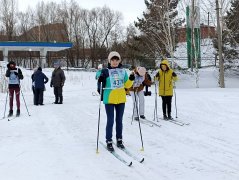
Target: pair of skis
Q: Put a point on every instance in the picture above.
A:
(10, 117)
(155, 123)
(175, 121)
(127, 152)
(149, 123)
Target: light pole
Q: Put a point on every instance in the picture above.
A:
(30, 53)
(219, 37)
(192, 34)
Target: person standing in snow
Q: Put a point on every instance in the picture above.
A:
(166, 78)
(57, 82)
(114, 80)
(15, 75)
(98, 73)
(137, 93)
(39, 79)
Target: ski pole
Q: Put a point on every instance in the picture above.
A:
(98, 131)
(156, 104)
(24, 101)
(141, 137)
(133, 113)
(175, 102)
(5, 106)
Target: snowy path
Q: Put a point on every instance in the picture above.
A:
(58, 142)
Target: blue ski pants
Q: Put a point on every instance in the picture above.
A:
(119, 109)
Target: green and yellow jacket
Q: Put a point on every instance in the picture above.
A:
(114, 81)
(166, 79)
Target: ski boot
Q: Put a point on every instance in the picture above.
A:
(110, 146)
(142, 116)
(170, 117)
(165, 117)
(61, 100)
(10, 113)
(136, 118)
(120, 144)
(18, 113)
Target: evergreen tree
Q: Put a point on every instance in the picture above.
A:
(230, 35)
(159, 24)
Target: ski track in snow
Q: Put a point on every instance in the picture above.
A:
(59, 141)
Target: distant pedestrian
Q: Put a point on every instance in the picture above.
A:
(15, 75)
(39, 79)
(57, 82)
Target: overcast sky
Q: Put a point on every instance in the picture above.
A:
(131, 9)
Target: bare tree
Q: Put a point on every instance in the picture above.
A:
(8, 17)
(25, 23)
(100, 22)
(46, 13)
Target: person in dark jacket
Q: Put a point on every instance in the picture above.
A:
(39, 79)
(57, 81)
(15, 75)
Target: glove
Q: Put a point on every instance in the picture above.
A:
(174, 74)
(131, 77)
(101, 78)
(16, 73)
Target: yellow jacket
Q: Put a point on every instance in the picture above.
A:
(166, 79)
(117, 95)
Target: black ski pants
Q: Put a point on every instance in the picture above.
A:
(166, 104)
(58, 94)
(38, 96)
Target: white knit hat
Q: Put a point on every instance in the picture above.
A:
(112, 54)
(141, 71)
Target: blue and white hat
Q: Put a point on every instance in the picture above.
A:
(56, 63)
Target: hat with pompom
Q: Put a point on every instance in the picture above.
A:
(141, 71)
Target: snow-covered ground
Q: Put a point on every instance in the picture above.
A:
(58, 142)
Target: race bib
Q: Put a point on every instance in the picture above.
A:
(116, 78)
(13, 79)
(138, 80)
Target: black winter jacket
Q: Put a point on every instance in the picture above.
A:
(58, 78)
